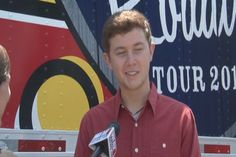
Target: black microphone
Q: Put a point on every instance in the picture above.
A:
(104, 142)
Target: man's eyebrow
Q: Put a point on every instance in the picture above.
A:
(139, 43)
(122, 48)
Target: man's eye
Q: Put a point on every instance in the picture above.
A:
(120, 53)
(138, 50)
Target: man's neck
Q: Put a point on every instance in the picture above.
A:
(134, 100)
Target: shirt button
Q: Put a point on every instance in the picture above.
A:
(136, 150)
(136, 124)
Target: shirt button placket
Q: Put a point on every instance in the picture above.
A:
(136, 150)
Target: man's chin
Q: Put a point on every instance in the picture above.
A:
(133, 86)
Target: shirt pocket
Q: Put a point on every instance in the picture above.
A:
(162, 148)
(158, 149)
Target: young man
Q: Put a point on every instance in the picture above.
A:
(5, 92)
(151, 125)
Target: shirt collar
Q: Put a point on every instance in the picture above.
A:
(152, 100)
(117, 102)
(153, 97)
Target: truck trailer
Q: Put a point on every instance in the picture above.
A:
(58, 72)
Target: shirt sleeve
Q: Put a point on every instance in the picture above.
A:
(190, 143)
(82, 149)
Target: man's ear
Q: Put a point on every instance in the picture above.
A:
(152, 50)
(106, 57)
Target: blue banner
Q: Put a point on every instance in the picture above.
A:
(195, 58)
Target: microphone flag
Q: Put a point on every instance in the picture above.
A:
(106, 140)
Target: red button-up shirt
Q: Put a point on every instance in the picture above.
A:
(165, 128)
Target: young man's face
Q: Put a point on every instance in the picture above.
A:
(5, 93)
(129, 58)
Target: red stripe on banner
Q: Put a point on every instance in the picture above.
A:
(42, 146)
(218, 149)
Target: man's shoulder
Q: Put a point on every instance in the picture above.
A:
(163, 102)
(173, 109)
(107, 104)
(99, 117)
(169, 102)
(102, 109)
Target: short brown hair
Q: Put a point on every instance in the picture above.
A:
(122, 22)
(4, 64)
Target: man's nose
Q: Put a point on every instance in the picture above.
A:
(131, 58)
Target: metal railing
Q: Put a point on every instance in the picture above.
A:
(13, 136)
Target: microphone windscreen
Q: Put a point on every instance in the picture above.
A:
(116, 127)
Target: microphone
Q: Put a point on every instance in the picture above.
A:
(104, 142)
